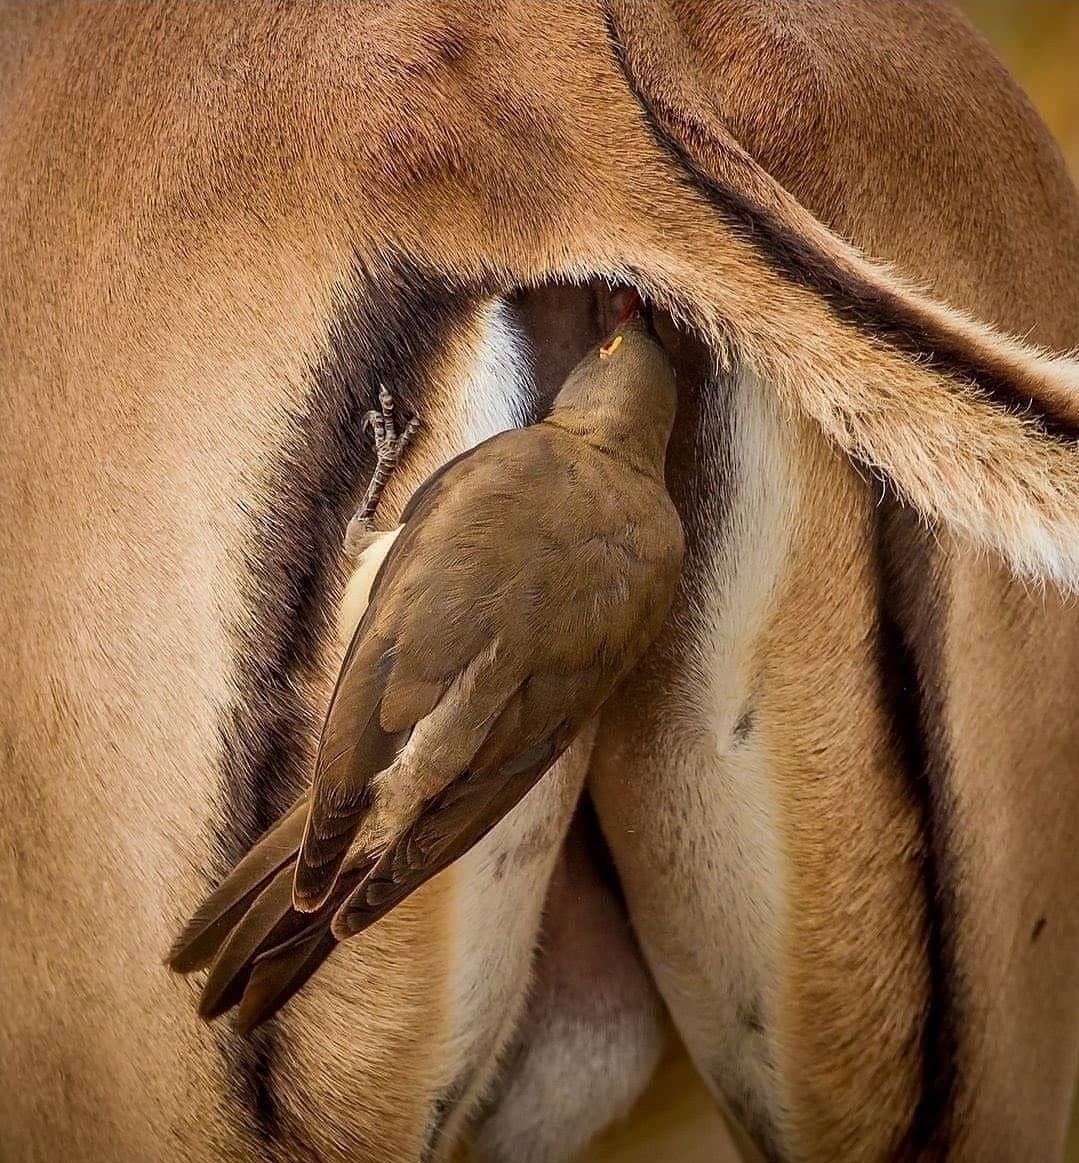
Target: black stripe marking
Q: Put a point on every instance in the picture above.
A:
(912, 671)
(442, 1110)
(388, 331)
(910, 616)
(877, 312)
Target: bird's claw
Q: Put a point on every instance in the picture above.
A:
(389, 447)
(389, 444)
(379, 422)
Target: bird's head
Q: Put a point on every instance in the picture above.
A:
(622, 395)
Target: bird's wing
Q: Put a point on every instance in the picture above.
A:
(424, 634)
(519, 749)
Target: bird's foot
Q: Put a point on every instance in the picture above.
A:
(389, 447)
(389, 444)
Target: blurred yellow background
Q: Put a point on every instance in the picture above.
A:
(1039, 41)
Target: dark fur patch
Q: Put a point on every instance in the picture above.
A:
(875, 311)
(1039, 927)
(751, 1015)
(561, 322)
(744, 727)
(388, 331)
(910, 609)
(254, 1090)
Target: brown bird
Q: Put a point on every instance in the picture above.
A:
(527, 578)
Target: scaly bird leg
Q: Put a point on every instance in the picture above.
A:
(389, 445)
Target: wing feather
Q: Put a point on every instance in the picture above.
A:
(405, 655)
(449, 826)
(354, 749)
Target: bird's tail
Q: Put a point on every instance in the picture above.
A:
(259, 949)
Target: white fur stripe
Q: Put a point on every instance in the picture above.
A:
(493, 392)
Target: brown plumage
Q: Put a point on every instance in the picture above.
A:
(528, 577)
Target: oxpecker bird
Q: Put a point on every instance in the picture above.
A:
(526, 579)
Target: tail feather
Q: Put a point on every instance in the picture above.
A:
(277, 974)
(261, 927)
(216, 917)
(272, 951)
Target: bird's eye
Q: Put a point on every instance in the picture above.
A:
(610, 347)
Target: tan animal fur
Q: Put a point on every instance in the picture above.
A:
(839, 794)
